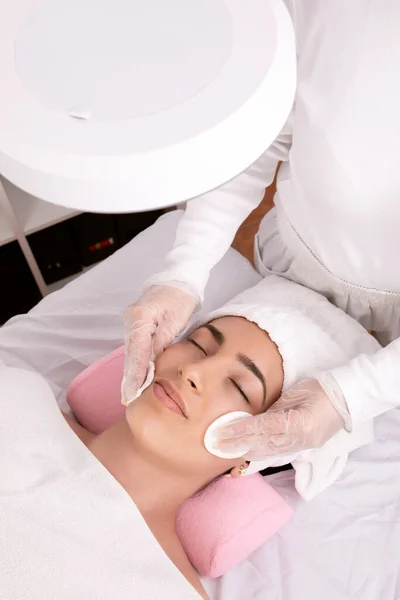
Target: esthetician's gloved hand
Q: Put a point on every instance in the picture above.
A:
(151, 324)
(305, 416)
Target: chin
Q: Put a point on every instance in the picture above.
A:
(149, 427)
(158, 434)
(142, 417)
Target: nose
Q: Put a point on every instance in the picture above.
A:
(191, 376)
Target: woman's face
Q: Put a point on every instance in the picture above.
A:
(228, 365)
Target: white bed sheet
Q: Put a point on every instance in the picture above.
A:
(343, 545)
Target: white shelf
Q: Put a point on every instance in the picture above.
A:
(27, 214)
(6, 233)
(32, 213)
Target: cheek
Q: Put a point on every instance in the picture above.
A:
(178, 444)
(223, 399)
(169, 360)
(167, 436)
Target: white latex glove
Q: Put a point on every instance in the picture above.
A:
(304, 417)
(151, 324)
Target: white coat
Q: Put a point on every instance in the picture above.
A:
(338, 188)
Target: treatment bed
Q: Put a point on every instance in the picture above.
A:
(345, 544)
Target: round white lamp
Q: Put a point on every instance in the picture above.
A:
(131, 105)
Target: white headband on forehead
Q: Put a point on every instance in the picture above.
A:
(312, 336)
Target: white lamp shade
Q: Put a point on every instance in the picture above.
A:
(128, 105)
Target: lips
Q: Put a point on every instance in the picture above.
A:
(170, 397)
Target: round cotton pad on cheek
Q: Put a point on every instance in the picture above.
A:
(148, 381)
(210, 437)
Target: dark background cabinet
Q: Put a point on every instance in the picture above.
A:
(61, 251)
(19, 291)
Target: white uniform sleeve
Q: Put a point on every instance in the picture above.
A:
(211, 221)
(371, 383)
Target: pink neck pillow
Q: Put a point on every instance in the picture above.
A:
(219, 527)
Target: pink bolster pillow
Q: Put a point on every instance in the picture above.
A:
(219, 527)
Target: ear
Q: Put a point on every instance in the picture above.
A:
(239, 470)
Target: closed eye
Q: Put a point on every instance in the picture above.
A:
(191, 341)
(239, 389)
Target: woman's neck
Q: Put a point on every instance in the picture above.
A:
(157, 492)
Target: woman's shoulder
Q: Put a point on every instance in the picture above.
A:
(167, 537)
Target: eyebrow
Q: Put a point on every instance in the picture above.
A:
(243, 359)
(252, 367)
(216, 333)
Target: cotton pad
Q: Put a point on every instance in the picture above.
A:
(148, 380)
(211, 438)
